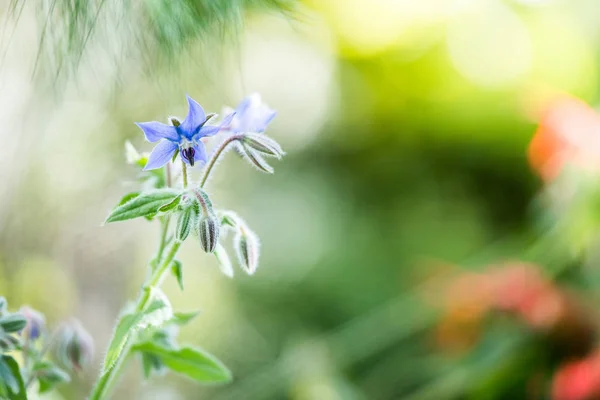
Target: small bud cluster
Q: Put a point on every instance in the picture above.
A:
(75, 347)
(26, 332)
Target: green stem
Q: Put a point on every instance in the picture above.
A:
(163, 238)
(213, 160)
(102, 386)
(184, 172)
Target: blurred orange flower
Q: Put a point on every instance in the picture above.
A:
(520, 290)
(568, 133)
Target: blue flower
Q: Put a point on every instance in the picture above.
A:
(185, 136)
(251, 116)
(35, 323)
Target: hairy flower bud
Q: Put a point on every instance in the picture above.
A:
(185, 221)
(256, 159)
(224, 261)
(36, 323)
(75, 346)
(247, 248)
(208, 232)
(263, 144)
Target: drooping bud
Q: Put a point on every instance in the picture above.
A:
(75, 346)
(208, 232)
(263, 144)
(185, 221)
(208, 226)
(224, 261)
(247, 248)
(256, 159)
(36, 323)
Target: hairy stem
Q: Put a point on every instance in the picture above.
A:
(184, 172)
(102, 387)
(215, 157)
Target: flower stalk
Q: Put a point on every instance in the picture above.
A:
(190, 208)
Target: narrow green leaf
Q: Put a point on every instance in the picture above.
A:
(145, 204)
(191, 362)
(49, 375)
(13, 323)
(183, 318)
(171, 205)
(11, 374)
(128, 197)
(177, 270)
(7, 376)
(150, 363)
(128, 325)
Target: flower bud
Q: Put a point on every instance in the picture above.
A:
(186, 219)
(224, 261)
(208, 232)
(263, 144)
(35, 323)
(247, 248)
(256, 159)
(75, 346)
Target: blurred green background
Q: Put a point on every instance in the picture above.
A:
(406, 125)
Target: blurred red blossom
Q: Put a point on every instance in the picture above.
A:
(517, 289)
(578, 380)
(568, 133)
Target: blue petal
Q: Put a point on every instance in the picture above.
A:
(207, 131)
(195, 118)
(243, 106)
(154, 131)
(268, 118)
(227, 120)
(161, 154)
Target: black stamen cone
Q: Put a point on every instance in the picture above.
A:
(188, 154)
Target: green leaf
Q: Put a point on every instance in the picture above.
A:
(145, 204)
(177, 270)
(191, 362)
(13, 323)
(49, 375)
(170, 206)
(11, 376)
(128, 197)
(150, 363)
(183, 318)
(127, 326)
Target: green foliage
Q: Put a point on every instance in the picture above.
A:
(128, 326)
(191, 362)
(49, 375)
(171, 205)
(182, 318)
(163, 25)
(12, 323)
(144, 205)
(177, 270)
(11, 379)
